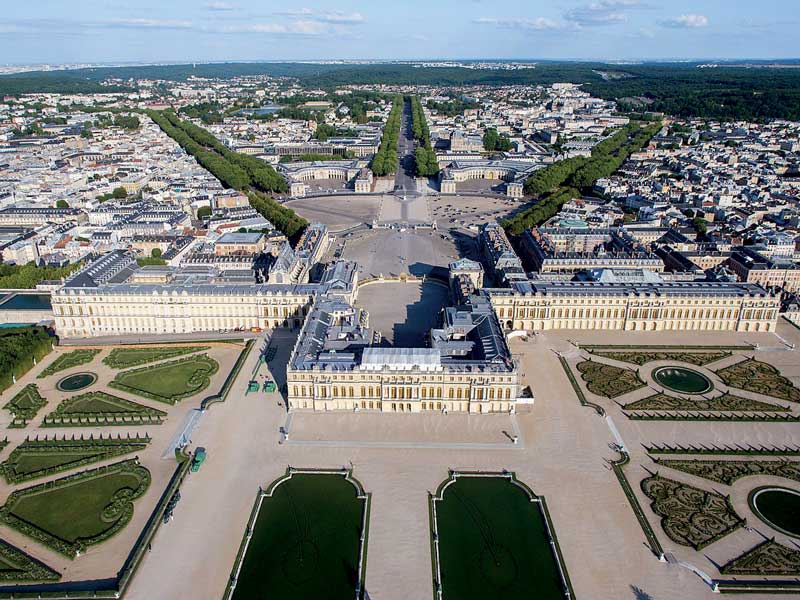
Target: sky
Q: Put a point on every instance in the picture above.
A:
(115, 31)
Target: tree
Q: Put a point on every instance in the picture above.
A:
(62, 204)
(203, 212)
(155, 253)
(119, 193)
(490, 139)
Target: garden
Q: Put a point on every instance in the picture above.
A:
(81, 510)
(690, 516)
(641, 357)
(608, 380)
(101, 408)
(24, 405)
(69, 360)
(305, 540)
(491, 538)
(168, 382)
(125, 358)
(17, 566)
(41, 457)
(725, 402)
(759, 377)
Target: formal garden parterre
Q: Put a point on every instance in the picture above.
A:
(25, 405)
(684, 510)
(70, 514)
(69, 360)
(42, 457)
(125, 358)
(168, 382)
(102, 408)
(79, 505)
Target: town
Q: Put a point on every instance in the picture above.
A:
(476, 334)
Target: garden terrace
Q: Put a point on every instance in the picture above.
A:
(124, 358)
(642, 357)
(68, 361)
(16, 566)
(306, 539)
(491, 537)
(759, 377)
(690, 516)
(608, 380)
(725, 402)
(24, 405)
(169, 382)
(728, 471)
(765, 559)
(81, 510)
(38, 458)
(101, 408)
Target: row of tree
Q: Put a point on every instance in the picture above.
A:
(384, 162)
(566, 179)
(424, 156)
(235, 170)
(284, 219)
(25, 277)
(19, 346)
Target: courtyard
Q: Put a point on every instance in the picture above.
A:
(404, 312)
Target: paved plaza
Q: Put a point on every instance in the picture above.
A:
(392, 251)
(565, 457)
(404, 313)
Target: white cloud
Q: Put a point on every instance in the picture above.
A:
(221, 6)
(148, 24)
(535, 24)
(299, 27)
(686, 22)
(605, 12)
(328, 16)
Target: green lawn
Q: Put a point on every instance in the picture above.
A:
(123, 358)
(80, 510)
(170, 381)
(493, 543)
(305, 541)
(100, 407)
(37, 458)
(69, 360)
(25, 404)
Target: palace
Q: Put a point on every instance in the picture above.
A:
(653, 306)
(468, 367)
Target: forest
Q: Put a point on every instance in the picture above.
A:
(728, 92)
(19, 346)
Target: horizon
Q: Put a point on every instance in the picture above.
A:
(144, 32)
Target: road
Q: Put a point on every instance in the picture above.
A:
(404, 182)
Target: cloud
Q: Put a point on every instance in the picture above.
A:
(221, 6)
(335, 17)
(535, 24)
(145, 24)
(299, 27)
(603, 13)
(686, 22)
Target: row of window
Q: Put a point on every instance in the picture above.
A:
(403, 392)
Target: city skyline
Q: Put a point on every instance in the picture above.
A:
(144, 32)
